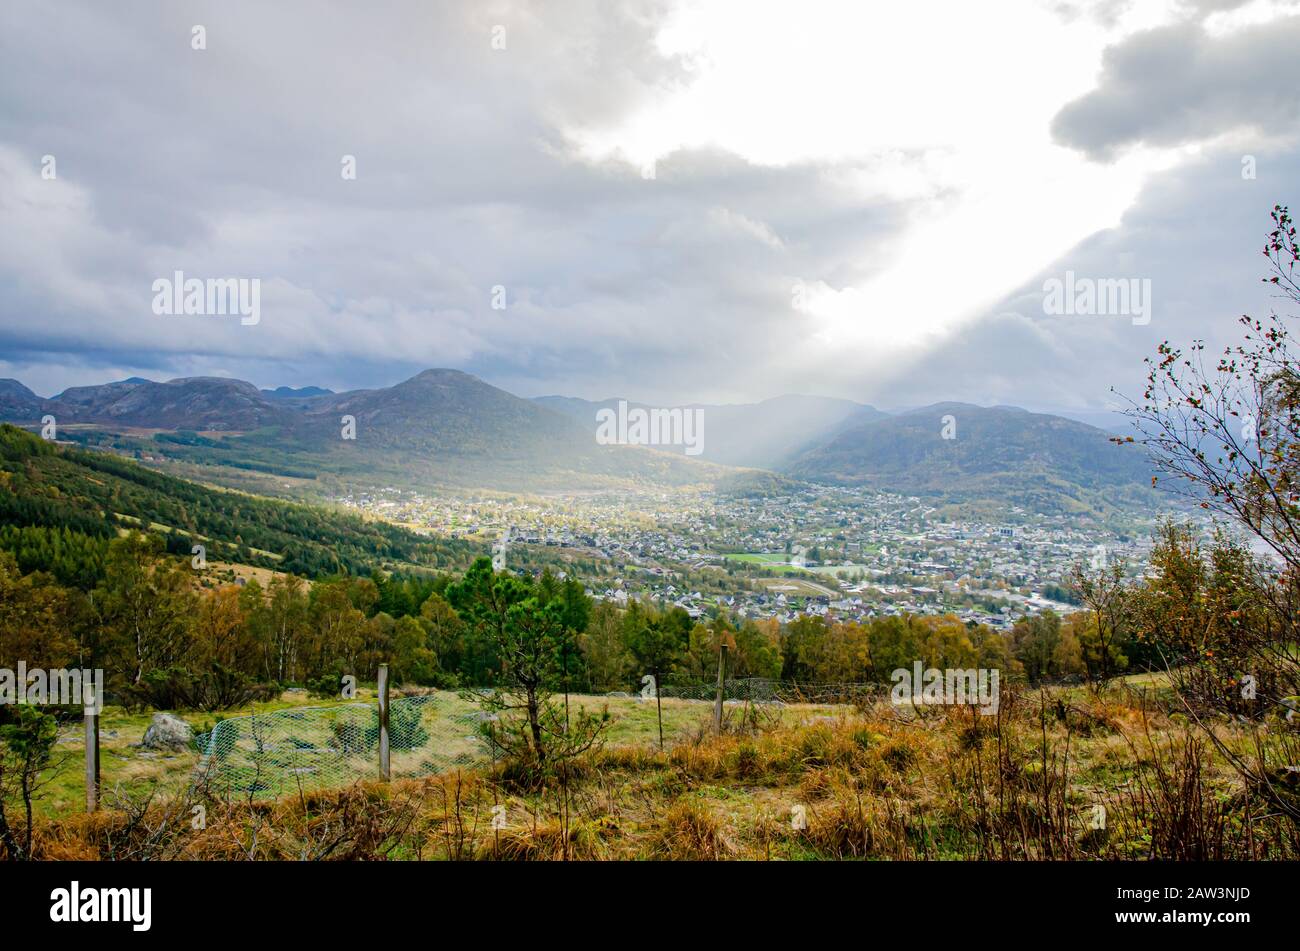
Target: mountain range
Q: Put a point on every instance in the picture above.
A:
(447, 428)
(958, 450)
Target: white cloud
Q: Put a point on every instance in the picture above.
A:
(898, 162)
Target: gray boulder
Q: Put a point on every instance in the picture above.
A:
(168, 732)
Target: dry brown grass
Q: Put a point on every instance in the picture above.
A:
(689, 831)
(873, 783)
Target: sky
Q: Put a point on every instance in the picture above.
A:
(672, 201)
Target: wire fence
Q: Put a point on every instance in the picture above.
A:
(266, 755)
(270, 754)
(747, 690)
(763, 690)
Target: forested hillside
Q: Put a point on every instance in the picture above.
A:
(1002, 454)
(59, 507)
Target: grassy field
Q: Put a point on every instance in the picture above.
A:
(778, 564)
(797, 587)
(759, 558)
(127, 770)
(1057, 774)
(789, 583)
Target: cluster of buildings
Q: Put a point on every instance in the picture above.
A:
(845, 553)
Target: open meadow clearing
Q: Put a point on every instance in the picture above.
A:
(128, 770)
(1061, 773)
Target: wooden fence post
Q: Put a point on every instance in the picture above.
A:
(384, 765)
(90, 712)
(722, 673)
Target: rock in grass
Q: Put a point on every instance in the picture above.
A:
(167, 732)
